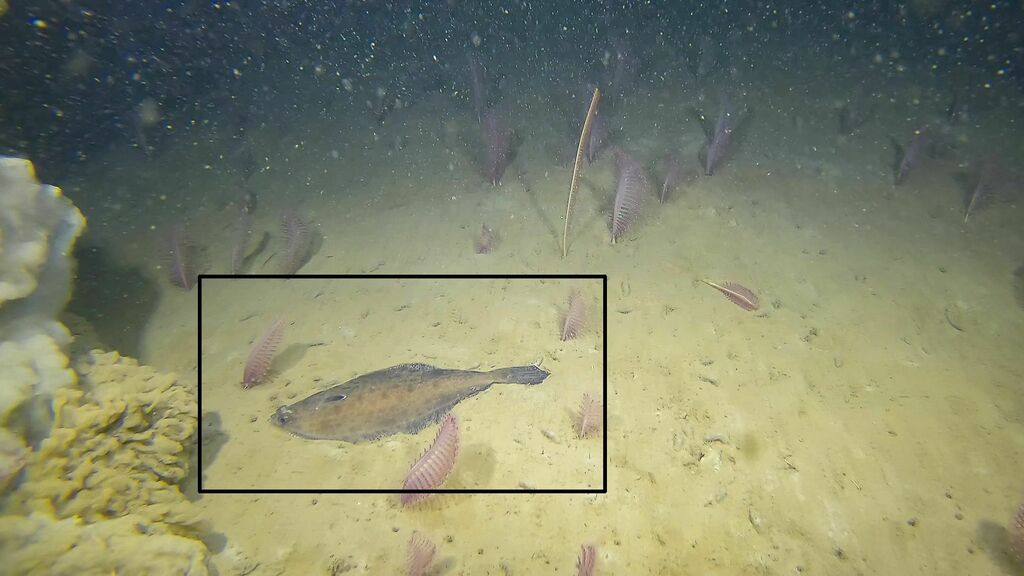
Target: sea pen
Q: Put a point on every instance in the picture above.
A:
(497, 136)
(436, 464)
(575, 316)
(180, 258)
(629, 194)
(262, 354)
(297, 242)
(982, 185)
(738, 294)
(578, 167)
(421, 554)
(589, 420)
(912, 154)
(587, 561)
(484, 243)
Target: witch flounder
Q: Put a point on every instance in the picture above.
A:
(403, 399)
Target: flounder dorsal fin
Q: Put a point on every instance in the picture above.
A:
(409, 368)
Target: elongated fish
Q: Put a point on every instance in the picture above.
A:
(403, 399)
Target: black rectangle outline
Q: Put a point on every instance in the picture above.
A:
(604, 381)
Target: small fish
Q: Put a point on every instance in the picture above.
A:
(403, 399)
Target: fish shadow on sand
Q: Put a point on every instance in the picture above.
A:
(1018, 285)
(251, 256)
(291, 356)
(475, 468)
(995, 541)
(603, 198)
(213, 438)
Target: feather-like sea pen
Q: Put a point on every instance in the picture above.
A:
(298, 242)
(436, 464)
(180, 255)
(983, 185)
(262, 354)
(738, 294)
(629, 194)
(587, 560)
(589, 420)
(421, 553)
(575, 316)
(578, 166)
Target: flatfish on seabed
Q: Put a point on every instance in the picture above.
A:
(403, 399)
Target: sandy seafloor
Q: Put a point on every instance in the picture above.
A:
(844, 428)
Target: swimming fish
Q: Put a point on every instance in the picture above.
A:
(403, 399)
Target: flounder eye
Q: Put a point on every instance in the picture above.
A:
(335, 398)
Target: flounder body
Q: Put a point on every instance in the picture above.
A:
(403, 399)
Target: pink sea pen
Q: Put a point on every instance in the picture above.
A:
(589, 420)
(298, 242)
(262, 354)
(575, 316)
(180, 256)
(629, 195)
(436, 464)
(587, 560)
(738, 294)
(421, 554)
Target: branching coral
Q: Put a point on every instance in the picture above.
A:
(118, 446)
